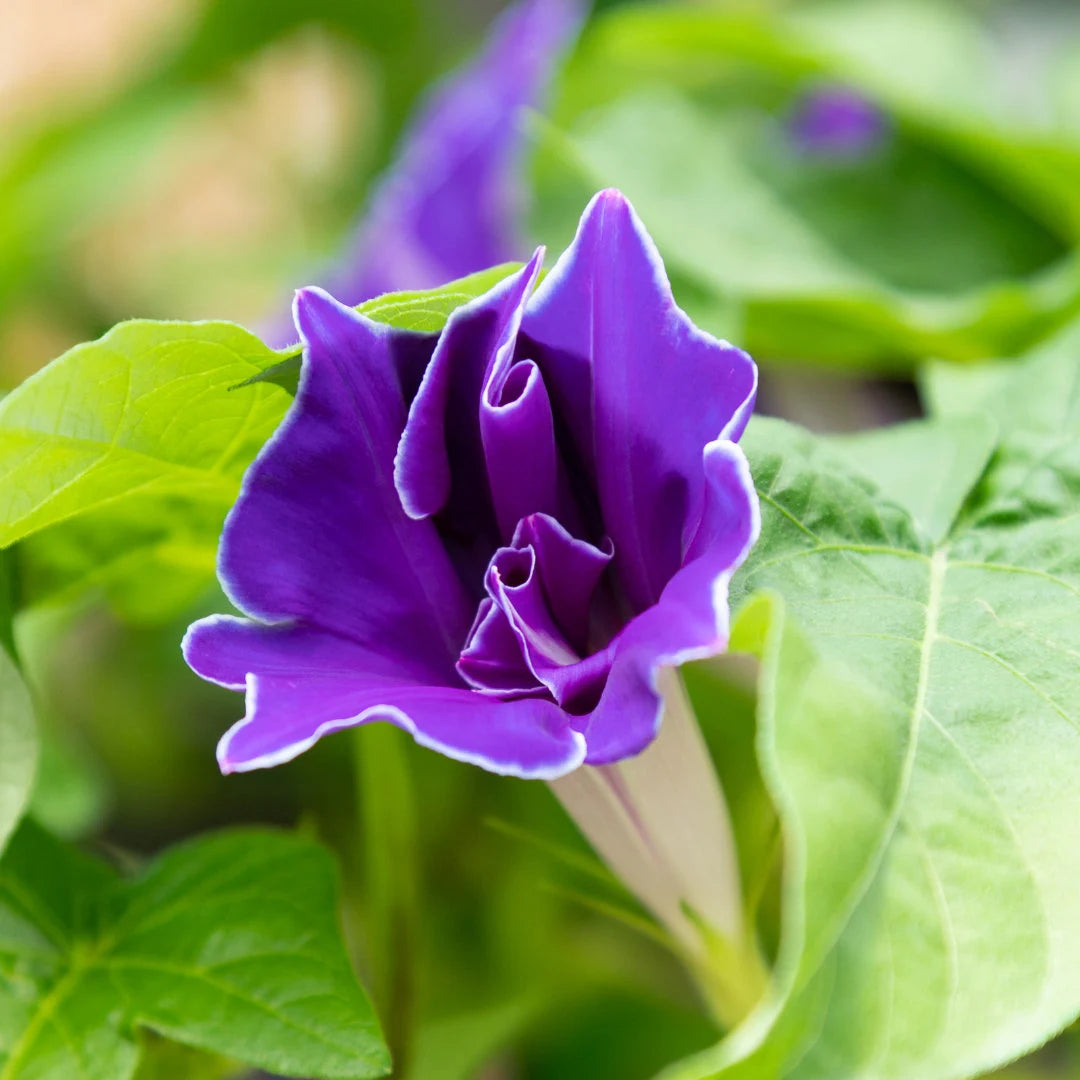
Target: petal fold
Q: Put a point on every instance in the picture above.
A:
(440, 466)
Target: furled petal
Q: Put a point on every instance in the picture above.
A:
(518, 436)
(440, 464)
(604, 328)
(570, 570)
(522, 581)
(318, 535)
(286, 715)
(690, 621)
(491, 662)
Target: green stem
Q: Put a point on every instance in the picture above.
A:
(387, 832)
(733, 976)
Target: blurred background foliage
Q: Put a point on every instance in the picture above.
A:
(200, 158)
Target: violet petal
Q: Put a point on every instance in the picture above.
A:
(518, 436)
(689, 622)
(286, 715)
(570, 570)
(318, 534)
(491, 662)
(440, 465)
(660, 389)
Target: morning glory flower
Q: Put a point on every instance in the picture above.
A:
(496, 538)
(452, 202)
(837, 121)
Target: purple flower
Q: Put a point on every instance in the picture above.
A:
(495, 538)
(451, 203)
(837, 121)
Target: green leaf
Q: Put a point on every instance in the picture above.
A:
(928, 466)
(121, 458)
(228, 944)
(921, 739)
(424, 311)
(792, 231)
(1036, 393)
(113, 553)
(146, 411)
(804, 298)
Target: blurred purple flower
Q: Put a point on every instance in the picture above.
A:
(451, 203)
(497, 537)
(837, 121)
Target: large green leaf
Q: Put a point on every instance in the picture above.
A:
(146, 410)
(228, 943)
(927, 63)
(928, 467)
(129, 450)
(920, 732)
(802, 272)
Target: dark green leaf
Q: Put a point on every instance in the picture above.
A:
(228, 943)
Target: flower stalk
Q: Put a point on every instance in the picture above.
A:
(660, 823)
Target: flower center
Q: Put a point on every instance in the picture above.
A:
(531, 633)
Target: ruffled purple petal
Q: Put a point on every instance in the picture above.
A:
(492, 662)
(690, 620)
(318, 535)
(440, 465)
(606, 330)
(570, 570)
(523, 580)
(286, 715)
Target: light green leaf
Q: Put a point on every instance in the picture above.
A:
(950, 389)
(146, 410)
(920, 734)
(1039, 392)
(424, 311)
(1001, 200)
(113, 553)
(806, 282)
(927, 466)
(128, 451)
(228, 943)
